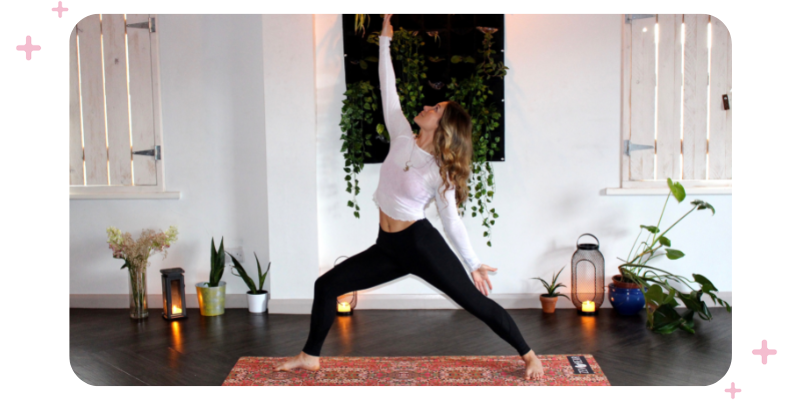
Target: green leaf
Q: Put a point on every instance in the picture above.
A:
(261, 277)
(380, 128)
(650, 228)
(702, 205)
(664, 241)
(706, 284)
(673, 254)
(690, 302)
(666, 319)
(677, 190)
(654, 294)
(243, 274)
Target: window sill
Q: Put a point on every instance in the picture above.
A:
(125, 196)
(726, 190)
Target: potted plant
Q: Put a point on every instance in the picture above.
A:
(211, 294)
(550, 298)
(136, 255)
(256, 297)
(657, 284)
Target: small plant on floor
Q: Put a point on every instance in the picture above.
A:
(552, 286)
(550, 299)
(660, 296)
(237, 267)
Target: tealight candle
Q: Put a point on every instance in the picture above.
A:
(176, 310)
(587, 306)
(344, 307)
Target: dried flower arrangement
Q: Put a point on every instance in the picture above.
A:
(136, 255)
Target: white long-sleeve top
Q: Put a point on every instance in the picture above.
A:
(404, 195)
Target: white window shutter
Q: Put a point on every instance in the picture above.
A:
(674, 123)
(719, 140)
(95, 156)
(113, 105)
(75, 139)
(142, 100)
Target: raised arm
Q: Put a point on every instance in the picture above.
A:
(396, 122)
(454, 227)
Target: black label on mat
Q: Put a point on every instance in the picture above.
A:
(580, 365)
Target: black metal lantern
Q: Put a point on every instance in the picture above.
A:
(172, 290)
(588, 275)
(345, 308)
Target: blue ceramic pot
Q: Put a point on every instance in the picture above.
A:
(626, 301)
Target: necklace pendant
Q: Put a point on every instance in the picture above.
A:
(406, 168)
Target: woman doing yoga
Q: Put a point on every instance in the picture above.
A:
(434, 165)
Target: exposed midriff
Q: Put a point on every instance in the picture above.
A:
(391, 225)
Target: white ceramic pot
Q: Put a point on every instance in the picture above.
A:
(257, 303)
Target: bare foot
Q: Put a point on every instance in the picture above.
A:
(533, 366)
(301, 360)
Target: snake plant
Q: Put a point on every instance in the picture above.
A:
(217, 263)
(246, 278)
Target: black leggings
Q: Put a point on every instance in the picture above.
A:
(419, 250)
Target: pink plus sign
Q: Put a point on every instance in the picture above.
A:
(764, 352)
(733, 390)
(60, 9)
(28, 48)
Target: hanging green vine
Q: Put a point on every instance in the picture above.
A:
(472, 94)
(359, 103)
(405, 46)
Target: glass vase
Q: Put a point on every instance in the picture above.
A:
(138, 292)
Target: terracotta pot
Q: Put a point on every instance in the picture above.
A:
(548, 303)
(623, 285)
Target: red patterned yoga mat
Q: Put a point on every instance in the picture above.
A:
(559, 370)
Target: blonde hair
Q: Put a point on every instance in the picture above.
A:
(453, 149)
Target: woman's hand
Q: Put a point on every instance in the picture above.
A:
(481, 278)
(387, 26)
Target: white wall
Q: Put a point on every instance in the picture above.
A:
(214, 154)
(562, 99)
(291, 154)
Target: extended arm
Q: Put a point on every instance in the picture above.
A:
(396, 121)
(454, 227)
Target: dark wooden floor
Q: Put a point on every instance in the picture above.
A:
(108, 348)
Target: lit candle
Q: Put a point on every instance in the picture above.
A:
(344, 307)
(176, 310)
(587, 306)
